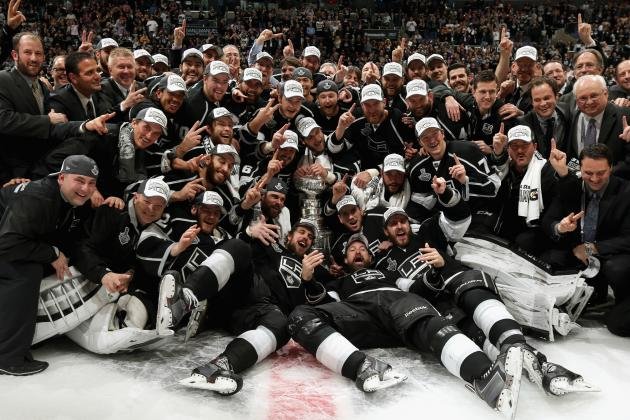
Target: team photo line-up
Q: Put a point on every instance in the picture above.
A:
(257, 188)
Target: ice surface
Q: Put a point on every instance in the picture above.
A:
(292, 385)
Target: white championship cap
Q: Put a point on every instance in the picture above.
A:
(394, 162)
(416, 87)
(520, 132)
(426, 124)
(371, 92)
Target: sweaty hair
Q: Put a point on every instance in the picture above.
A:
(483, 77)
(544, 80)
(73, 60)
(597, 151)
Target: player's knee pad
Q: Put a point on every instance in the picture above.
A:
(439, 330)
(276, 322)
(463, 281)
(307, 327)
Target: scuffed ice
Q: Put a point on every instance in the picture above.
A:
(292, 385)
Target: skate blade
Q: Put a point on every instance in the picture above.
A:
(561, 386)
(195, 320)
(224, 386)
(508, 399)
(390, 379)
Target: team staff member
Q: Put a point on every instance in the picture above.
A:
(36, 218)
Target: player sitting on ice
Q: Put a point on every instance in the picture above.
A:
(445, 283)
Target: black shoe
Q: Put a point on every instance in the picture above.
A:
(217, 376)
(29, 367)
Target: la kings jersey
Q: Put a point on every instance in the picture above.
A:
(281, 271)
(483, 181)
(361, 281)
(372, 229)
(373, 143)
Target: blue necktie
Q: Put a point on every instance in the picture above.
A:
(590, 219)
(591, 133)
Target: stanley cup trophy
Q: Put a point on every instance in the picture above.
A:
(311, 209)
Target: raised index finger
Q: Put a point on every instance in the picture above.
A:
(184, 26)
(502, 128)
(579, 19)
(578, 216)
(553, 144)
(351, 110)
(456, 159)
(502, 32)
(625, 122)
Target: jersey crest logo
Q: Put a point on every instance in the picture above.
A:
(291, 272)
(367, 275)
(487, 128)
(276, 248)
(194, 261)
(412, 267)
(392, 264)
(424, 175)
(123, 237)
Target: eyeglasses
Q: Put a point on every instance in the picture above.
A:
(59, 69)
(593, 97)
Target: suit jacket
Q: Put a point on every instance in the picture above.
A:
(610, 129)
(561, 131)
(613, 222)
(24, 129)
(114, 96)
(66, 101)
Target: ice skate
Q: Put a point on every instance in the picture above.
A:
(196, 318)
(174, 301)
(374, 374)
(500, 385)
(216, 376)
(552, 378)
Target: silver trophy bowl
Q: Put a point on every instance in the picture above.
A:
(311, 209)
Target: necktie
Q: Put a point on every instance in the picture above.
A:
(37, 94)
(89, 110)
(549, 126)
(590, 219)
(591, 133)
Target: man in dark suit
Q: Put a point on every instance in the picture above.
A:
(548, 118)
(81, 99)
(26, 119)
(598, 121)
(121, 89)
(589, 220)
(39, 225)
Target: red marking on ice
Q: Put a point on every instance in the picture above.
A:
(298, 399)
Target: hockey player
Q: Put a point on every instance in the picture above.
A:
(107, 256)
(280, 284)
(374, 311)
(391, 188)
(374, 136)
(423, 259)
(460, 163)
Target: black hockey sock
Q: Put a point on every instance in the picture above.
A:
(352, 364)
(241, 354)
(492, 317)
(203, 282)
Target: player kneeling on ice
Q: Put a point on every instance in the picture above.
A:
(374, 311)
(108, 256)
(220, 275)
(445, 283)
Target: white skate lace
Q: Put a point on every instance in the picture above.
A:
(190, 298)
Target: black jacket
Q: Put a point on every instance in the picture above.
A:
(36, 218)
(613, 225)
(66, 101)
